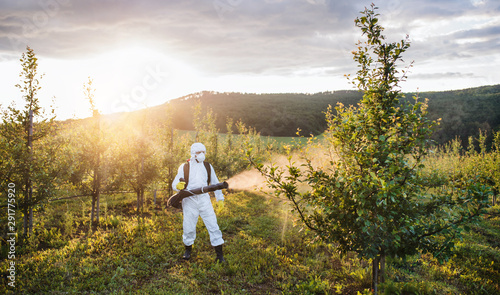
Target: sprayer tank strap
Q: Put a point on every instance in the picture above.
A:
(186, 172)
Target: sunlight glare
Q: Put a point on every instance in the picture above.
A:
(124, 79)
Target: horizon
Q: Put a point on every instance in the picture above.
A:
(145, 54)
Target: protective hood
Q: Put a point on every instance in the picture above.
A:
(195, 148)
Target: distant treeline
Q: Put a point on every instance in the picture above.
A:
(463, 112)
(270, 114)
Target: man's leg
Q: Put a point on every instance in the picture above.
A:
(190, 218)
(208, 215)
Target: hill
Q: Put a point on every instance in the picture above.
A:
(270, 114)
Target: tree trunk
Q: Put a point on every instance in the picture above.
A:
(92, 210)
(140, 196)
(25, 222)
(31, 209)
(375, 274)
(95, 194)
(97, 187)
(140, 201)
(170, 168)
(97, 207)
(26, 209)
(378, 272)
(94, 213)
(381, 274)
(97, 176)
(28, 212)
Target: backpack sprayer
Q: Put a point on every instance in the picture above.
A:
(176, 200)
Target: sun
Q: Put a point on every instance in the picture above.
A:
(133, 77)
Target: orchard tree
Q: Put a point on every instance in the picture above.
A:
(90, 145)
(27, 163)
(97, 148)
(137, 161)
(371, 198)
(173, 150)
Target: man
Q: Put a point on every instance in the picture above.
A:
(199, 205)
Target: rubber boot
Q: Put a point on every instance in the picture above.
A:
(187, 254)
(220, 256)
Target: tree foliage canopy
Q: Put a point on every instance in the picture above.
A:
(371, 197)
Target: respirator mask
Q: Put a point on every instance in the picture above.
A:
(199, 156)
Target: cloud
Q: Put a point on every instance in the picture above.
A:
(202, 31)
(224, 37)
(447, 75)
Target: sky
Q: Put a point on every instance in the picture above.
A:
(143, 53)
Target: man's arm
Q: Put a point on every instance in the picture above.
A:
(180, 174)
(219, 196)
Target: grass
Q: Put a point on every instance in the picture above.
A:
(473, 269)
(266, 254)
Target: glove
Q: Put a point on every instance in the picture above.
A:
(181, 185)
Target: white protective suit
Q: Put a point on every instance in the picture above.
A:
(199, 205)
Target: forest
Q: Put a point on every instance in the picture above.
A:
(463, 112)
(384, 200)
